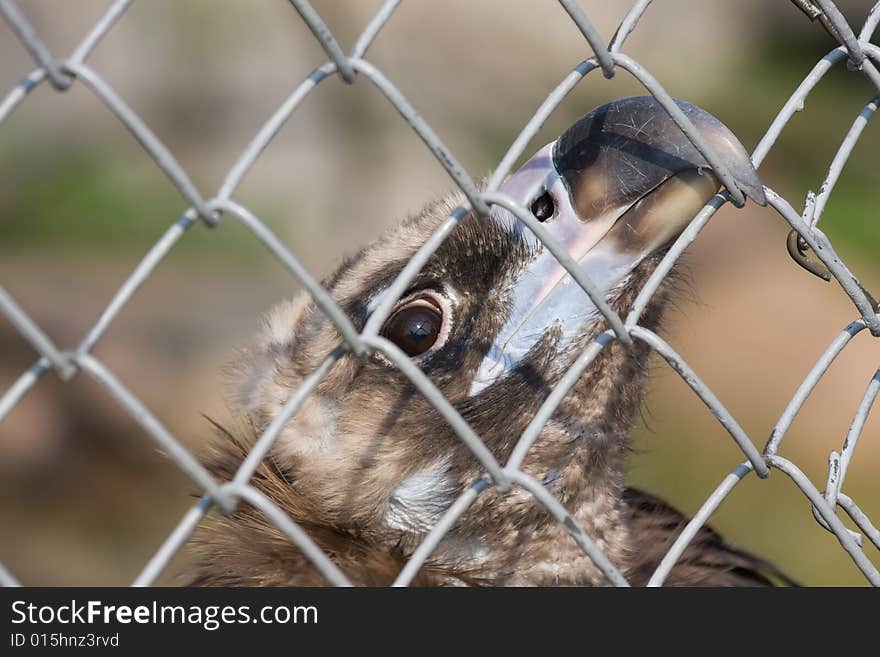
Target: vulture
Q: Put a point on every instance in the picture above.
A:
(367, 466)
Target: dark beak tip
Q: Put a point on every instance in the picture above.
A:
(756, 192)
(757, 195)
(638, 131)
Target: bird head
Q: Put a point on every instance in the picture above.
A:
(493, 320)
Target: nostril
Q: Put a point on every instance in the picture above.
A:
(543, 207)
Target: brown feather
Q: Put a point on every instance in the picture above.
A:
(708, 560)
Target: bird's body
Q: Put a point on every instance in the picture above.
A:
(368, 465)
(246, 549)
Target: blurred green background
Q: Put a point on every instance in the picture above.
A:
(85, 498)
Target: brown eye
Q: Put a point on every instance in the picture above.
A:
(415, 327)
(543, 207)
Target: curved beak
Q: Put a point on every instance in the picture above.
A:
(623, 183)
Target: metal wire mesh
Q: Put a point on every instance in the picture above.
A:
(855, 50)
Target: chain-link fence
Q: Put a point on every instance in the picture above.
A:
(855, 52)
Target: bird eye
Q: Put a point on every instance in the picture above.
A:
(543, 207)
(416, 326)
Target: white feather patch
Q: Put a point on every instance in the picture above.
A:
(418, 502)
